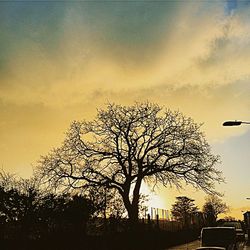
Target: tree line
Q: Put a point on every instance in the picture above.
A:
(184, 210)
(28, 211)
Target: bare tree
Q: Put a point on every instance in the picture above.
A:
(126, 145)
(212, 208)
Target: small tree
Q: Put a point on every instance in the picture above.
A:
(212, 208)
(124, 146)
(183, 209)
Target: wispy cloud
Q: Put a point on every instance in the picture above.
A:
(72, 58)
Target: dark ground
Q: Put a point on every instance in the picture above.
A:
(155, 240)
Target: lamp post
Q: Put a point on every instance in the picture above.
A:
(246, 215)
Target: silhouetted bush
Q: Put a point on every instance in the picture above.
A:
(33, 215)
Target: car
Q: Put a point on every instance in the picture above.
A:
(240, 235)
(224, 237)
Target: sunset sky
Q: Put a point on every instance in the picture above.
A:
(61, 60)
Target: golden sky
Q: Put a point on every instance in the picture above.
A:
(60, 61)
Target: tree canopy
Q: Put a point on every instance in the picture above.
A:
(212, 207)
(183, 209)
(126, 145)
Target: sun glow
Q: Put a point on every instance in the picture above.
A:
(152, 199)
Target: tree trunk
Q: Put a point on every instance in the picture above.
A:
(133, 207)
(132, 216)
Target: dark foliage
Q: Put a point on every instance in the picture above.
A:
(28, 214)
(183, 209)
(212, 208)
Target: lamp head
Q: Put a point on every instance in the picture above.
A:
(232, 123)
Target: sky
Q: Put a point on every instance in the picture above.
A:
(62, 60)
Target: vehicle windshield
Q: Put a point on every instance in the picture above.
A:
(237, 225)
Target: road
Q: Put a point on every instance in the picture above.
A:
(195, 244)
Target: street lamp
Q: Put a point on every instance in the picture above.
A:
(234, 123)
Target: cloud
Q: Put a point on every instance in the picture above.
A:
(62, 65)
(198, 48)
(194, 66)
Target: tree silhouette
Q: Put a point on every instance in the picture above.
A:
(212, 208)
(183, 209)
(126, 145)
